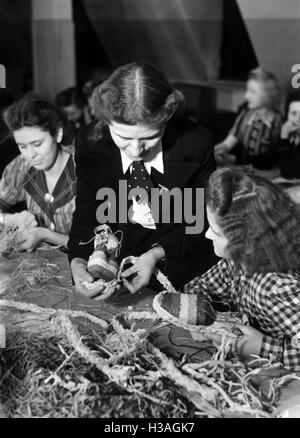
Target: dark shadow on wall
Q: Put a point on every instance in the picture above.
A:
(90, 55)
(16, 44)
(237, 53)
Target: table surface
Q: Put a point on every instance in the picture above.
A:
(65, 297)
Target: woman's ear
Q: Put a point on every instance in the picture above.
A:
(59, 135)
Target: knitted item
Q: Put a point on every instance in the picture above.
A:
(193, 309)
(103, 262)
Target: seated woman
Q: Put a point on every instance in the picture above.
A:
(289, 146)
(43, 175)
(130, 148)
(255, 228)
(255, 133)
(73, 104)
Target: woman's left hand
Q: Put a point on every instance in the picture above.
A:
(29, 239)
(141, 270)
(249, 342)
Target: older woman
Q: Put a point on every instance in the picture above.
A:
(43, 175)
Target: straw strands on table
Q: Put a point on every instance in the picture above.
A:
(33, 274)
(59, 369)
(8, 243)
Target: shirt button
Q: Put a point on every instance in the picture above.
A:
(48, 197)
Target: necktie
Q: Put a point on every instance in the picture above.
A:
(140, 178)
(255, 138)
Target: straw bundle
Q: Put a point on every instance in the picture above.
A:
(54, 367)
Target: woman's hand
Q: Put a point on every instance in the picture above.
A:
(23, 220)
(220, 148)
(222, 155)
(141, 271)
(28, 239)
(288, 128)
(80, 275)
(249, 342)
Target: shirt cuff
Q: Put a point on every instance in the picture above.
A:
(158, 244)
(272, 348)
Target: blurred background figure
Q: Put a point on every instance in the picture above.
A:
(96, 77)
(74, 106)
(289, 147)
(255, 134)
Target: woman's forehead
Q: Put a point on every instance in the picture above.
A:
(29, 134)
(295, 106)
(135, 131)
(254, 84)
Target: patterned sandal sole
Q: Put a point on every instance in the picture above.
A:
(224, 324)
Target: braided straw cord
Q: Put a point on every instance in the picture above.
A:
(164, 281)
(168, 369)
(62, 325)
(46, 311)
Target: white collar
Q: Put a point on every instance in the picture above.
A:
(263, 114)
(156, 162)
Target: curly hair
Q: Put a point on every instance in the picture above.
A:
(135, 94)
(260, 221)
(270, 85)
(34, 111)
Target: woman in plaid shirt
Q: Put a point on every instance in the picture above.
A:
(255, 228)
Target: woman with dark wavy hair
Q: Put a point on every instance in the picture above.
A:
(43, 175)
(131, 143)
(255, 228)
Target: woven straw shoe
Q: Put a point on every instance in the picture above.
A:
(190, 309)
(193, 312)
(101, 266)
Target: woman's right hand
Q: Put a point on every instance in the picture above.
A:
(287, 128)
(23, 220)
(220, 149)
(80, 275)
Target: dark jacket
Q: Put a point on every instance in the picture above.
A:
(188, 162)
(289, 158)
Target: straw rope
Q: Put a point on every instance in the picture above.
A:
(207, 384)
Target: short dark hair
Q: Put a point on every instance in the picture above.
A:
(294, 96)
(260, 221)
(34, 111)
(70, 96)
(136, 93)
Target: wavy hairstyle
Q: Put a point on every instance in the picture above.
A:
(260, 221)
(135, 94)
(34, 111)
(270, 85)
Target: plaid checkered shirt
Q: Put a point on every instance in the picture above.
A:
(271, 302)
